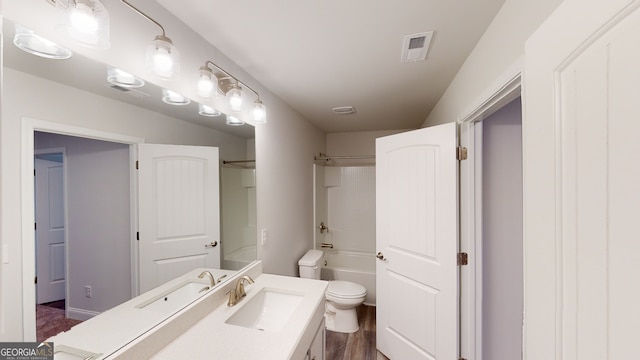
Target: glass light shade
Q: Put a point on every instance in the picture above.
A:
(25, 39)
(206, 110)
(163, 58)
(234, 98)
(206, 83)
(259, 112)
(122, 78)
(234, 121)
(173, 98)
(86, 21)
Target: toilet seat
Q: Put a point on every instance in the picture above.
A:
(345, 290)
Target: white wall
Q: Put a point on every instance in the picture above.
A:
(502, 266)
(499, 50)
(98, 232)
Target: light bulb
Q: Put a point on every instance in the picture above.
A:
(163, 58)
(173, 98)
(122, 78)
(234, 97)
(83, 20)
(206, 110)
(205, 83)
(259, 112)
(234, 121)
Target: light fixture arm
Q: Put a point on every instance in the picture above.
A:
(145, 16)
(209, 62)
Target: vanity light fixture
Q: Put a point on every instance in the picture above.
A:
(122, 78)
(163, 57)
(206, 110)
(173, 98)
(209, 82)
(86, 21)
(25, 39)
(234, 121)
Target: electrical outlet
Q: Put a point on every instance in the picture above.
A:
(88, 292)
(264, 236)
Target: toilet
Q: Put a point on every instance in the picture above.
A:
(342, 296)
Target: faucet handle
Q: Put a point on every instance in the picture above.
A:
(233, 297)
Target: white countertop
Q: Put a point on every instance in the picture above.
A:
(212, 338)
(114, 328)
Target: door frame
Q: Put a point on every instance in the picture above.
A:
(59, 150)
(29, 127)
(504, 90)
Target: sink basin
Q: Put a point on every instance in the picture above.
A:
(269, 310)
(176, 297)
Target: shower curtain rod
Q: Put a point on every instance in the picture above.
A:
(343, 157)
(224, 162)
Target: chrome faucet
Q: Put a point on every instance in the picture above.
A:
(211, 279)
(235, 295)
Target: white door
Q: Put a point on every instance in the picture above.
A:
(581, 183)
(50, 237)
(417, 241)
(179, 217)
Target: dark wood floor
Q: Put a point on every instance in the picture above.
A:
(360, 345)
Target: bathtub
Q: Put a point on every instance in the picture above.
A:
(239, 258)
(358, 267)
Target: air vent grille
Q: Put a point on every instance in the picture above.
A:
(344, 110)
(129, 91)
(416, 46)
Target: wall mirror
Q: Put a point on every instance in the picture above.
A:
(237, 173)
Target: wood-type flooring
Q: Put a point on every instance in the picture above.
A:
(360, 345)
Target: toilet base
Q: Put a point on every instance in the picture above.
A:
(343, 321)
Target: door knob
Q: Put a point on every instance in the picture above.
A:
(381, 256)
(213, 244)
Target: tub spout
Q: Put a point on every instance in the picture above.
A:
(327, 245)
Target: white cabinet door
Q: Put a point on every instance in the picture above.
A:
(417, 241)
(179, 216)
(581, 176)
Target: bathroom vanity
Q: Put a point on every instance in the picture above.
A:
(280, 317)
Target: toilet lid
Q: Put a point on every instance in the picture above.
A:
(346, 289)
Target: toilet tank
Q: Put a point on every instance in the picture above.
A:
(310, 264)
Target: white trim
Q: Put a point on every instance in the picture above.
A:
(80, 314)
(503, 91)
(29, 126)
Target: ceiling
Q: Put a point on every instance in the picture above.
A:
(317, 55)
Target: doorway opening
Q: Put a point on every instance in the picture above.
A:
(84, 247)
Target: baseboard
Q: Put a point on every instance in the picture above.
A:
(80, 314)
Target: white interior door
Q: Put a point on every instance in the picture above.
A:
(581, 175)
(417, 241)
(50, 231)
(179, 217)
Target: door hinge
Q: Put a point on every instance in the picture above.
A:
(137, 164)
(138, 235)
(463, 259)
(461, 153)
(35, 280)
(35, 226)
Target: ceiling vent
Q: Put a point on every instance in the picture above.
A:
(344, 110)
(416, 46)
(129, 91)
